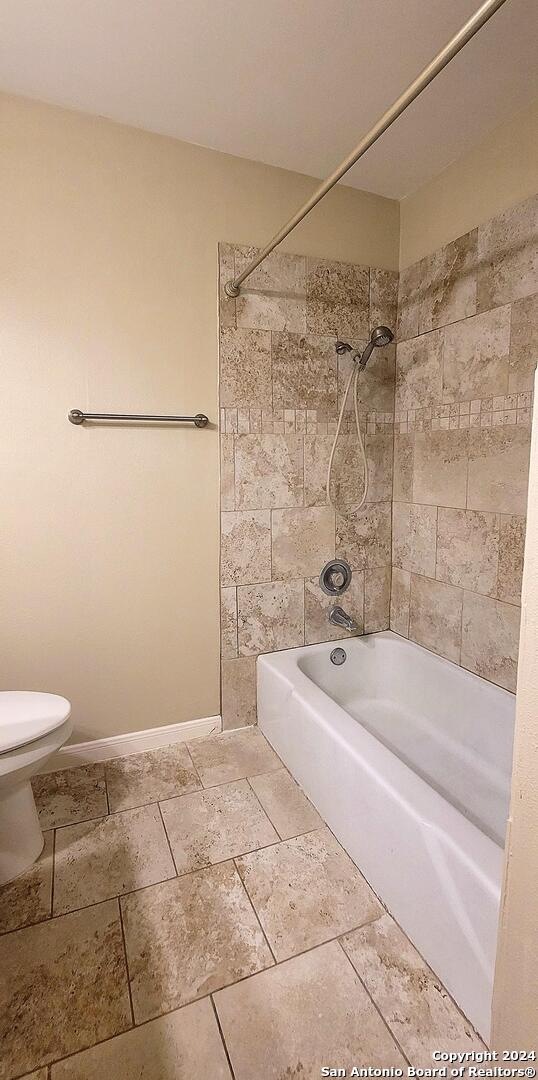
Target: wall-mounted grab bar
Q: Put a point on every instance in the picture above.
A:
(75, 416)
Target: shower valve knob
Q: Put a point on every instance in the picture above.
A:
(335, 577)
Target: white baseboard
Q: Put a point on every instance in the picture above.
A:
(134, 742)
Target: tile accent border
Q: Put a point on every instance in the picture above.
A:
(133, 742)
(501, 411)
(300, 421)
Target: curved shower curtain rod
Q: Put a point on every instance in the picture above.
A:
(451, 49)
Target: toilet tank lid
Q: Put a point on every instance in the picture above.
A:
(26, 716)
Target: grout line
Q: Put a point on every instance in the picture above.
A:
(106, 788)
(137, 806)
(303, 446)
(424, 961)
(234, 472)
(281, 838)
(326, 941)
(441, 354)
(271, 370)
(270, 551)
(168, 842)
(79, 821)
(461, 628)
(53, 874)
(312, 506)
(467, 472)
(262, 772)
(258, 920)
(461, 588)
(498, 571)
(436, 540)
(236, 633)
(374, 1003)
(462, 509)
(75, 1053)
(452, 322)
(191, 759)
(221, 1033)
(120, 915)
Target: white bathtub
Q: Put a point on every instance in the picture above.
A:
(407, 757)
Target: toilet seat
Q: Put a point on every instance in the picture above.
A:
(26, 716)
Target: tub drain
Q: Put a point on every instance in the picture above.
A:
(338, 656)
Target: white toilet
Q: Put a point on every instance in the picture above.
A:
(32, 727)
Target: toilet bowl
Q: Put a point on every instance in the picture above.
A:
(32, 727)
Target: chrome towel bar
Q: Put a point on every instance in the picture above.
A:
(75, 416)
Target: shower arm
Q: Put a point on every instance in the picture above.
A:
(452, 48)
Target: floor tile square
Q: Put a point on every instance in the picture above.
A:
(27, 900)
(188, 937)
(148, 777)
(70, 795)
(414, 1003)
(232, 756)
(180, 1046)
(284, 803)
(63, 987)
(306, 891)
(309, 1012)
(211, 826)
(96, 860)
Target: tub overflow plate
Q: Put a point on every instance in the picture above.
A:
(338, 656)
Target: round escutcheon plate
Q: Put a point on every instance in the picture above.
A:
(335, 577)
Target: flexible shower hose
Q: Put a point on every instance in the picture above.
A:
(352, 381)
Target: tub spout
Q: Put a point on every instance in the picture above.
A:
(339, 617)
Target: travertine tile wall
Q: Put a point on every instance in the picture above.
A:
(466, 355)
(455, 494)
(280, 386)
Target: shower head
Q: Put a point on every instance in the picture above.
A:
(379, 337)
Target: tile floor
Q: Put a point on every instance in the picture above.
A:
(190, 916)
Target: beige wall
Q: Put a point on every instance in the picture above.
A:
(108, 265)
(516, 976)
(502, 170)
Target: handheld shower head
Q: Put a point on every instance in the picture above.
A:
(379, 337)
(382, 335)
